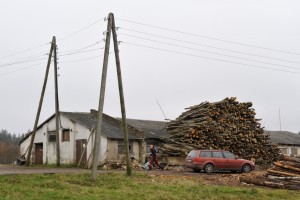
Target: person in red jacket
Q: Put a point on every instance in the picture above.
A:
(154, 158)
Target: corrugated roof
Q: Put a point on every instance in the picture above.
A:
(284, 137)
(111, 127)
(151, 129)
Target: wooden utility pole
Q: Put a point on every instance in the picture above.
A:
(40, 104)
(101, 100)
(56, 104)
(121, 93)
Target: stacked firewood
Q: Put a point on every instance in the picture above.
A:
(285, 174)
(288, 167)
(227, 124)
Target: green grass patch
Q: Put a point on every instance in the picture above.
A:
(119, 186)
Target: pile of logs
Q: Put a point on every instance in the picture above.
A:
(285, 174)
(288, 167)
(227, 124)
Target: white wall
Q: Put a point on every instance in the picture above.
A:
(289, 149)
(67, 148)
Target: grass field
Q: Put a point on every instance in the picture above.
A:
(118, 186)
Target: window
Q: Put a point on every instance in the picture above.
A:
(283, 151)
(229, 155)
(51, 136)
(205, 154)
(121, 147)
(193, 154)
(66, 135)
(217, 154)
(294, 151)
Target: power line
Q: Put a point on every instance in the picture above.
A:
(227, 61)
(210, 52)
(75, 32)
(204, 45)
(81, 51)
(23, 51)
(207, 37)
(83, 48)
(21, 69)
(20, 62)
(84, 59)
(79, 60)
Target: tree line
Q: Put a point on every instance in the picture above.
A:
(9, 146)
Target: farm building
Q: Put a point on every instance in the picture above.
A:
(75, 130)
(289, 143)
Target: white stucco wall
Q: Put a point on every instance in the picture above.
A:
(67, 148)
(289, 149)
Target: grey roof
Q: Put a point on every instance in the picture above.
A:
(284, 137)
(151, 129)
(111, 127)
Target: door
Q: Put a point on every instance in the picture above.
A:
(81, 149)
(39, 153)
(232, 162)
(219, 160)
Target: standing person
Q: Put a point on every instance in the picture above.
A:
(154, 158)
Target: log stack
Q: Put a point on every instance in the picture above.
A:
(227, 124)
(285, 174)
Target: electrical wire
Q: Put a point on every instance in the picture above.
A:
(78, 31)
(20, 62)
(80, 60)
(83, 48)
(193, 55)
(204, 45)
(207, 37)
(26, 50)
(67, 54)
(21, 69)
(220, 54)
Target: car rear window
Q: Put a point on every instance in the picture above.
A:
(193, 153)
(205, 154)
(217, 154)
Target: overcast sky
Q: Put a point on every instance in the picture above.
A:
(178, 80)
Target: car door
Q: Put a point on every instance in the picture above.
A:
(232, 163)
(219, 160)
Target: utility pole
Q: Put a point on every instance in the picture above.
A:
(40, 104)
(101, 99)
(56, 104)
(121, 93)
(279, 121)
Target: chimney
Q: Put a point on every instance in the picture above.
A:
(94, 112)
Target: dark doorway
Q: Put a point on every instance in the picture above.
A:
(80, 147)
(39, 153)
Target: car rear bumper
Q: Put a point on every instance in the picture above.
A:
(194, 166)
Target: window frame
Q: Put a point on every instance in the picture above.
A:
(219, 152)
(202, 152)
(122, 144)
(224, 154)
(51, 136)
(65, 136)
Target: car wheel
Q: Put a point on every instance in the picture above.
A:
(246, 168)
(209, 168)
(196, 170)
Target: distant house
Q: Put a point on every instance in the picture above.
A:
(288, 142)
(75, 130)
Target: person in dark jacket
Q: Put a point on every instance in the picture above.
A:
(154, 158)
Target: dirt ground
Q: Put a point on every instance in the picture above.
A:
(217, 178)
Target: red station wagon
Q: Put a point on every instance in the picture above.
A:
(217, 160)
